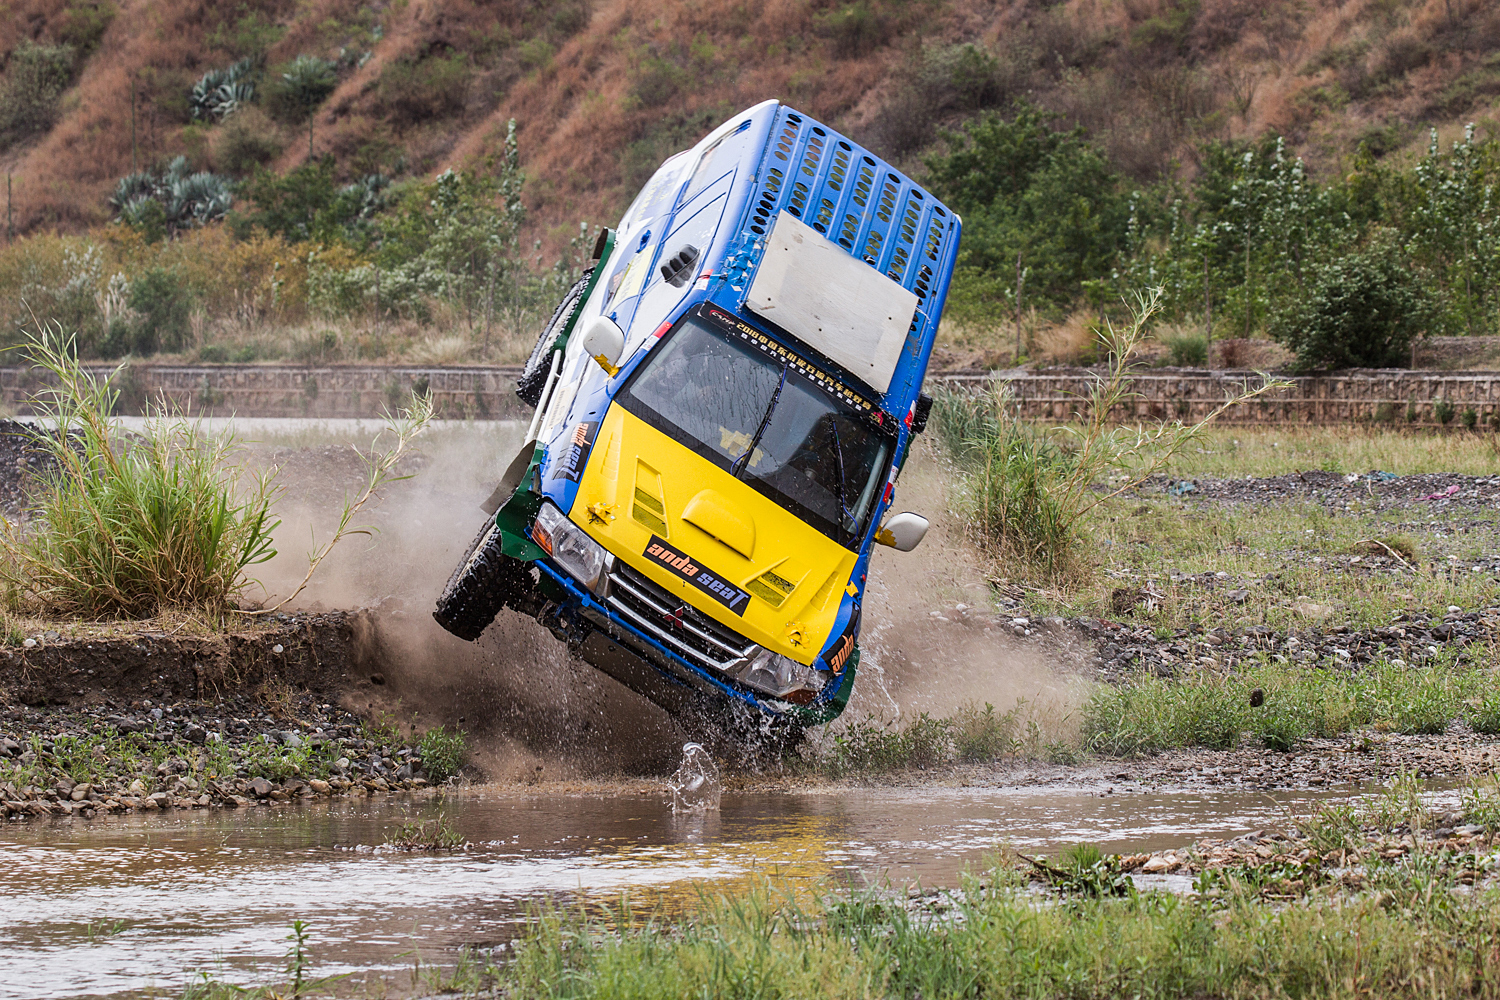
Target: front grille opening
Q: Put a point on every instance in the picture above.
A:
(695, 637)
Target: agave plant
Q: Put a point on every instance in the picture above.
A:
(222, 92)
(186, 198)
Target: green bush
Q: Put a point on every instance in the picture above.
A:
(1186, 350)
(853, 29)
(247, 140)
(1470, 418)
(413, 91)
(442, 753)
(162, 302)
(84, 24)
(35, 78)
(1363, 310)
(1444, 411)
(296, 88)
(131, 528)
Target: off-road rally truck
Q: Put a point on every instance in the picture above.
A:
(723, 404)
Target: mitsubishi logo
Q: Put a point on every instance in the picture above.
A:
(674, 618)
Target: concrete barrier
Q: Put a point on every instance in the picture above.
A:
(480, 392)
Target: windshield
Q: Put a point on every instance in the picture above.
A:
(754, 416)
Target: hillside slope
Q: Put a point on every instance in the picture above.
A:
(602, 91)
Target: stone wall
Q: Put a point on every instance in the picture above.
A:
(488, 393)
(1358, 396)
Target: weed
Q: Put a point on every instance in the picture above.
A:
(132, 528)
(426, 835)
(1444, 411)
(1186, 350)
(443, 753)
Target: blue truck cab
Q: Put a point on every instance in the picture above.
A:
(724, 402)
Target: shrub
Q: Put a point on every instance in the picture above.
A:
(1444, 411)
(246, 141)
(413, 91)
(1186, 350)
(443, 753)
(131, 529)
(35, 78)
(162, 303)
(854, 29)
(84, 24)
(657, 81)
(1363, 310)
(1470, 418)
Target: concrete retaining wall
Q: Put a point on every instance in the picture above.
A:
(1357, 396)
(485, 392)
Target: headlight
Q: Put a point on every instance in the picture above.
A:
(780, 677)
(584, 559)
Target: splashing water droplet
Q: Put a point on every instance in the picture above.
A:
(696, 786)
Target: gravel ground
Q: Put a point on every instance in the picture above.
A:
(1374, 490)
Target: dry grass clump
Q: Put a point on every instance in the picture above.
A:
(1074, 341)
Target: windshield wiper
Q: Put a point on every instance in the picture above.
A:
(838, 453)
(736, 467)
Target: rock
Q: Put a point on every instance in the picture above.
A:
(1469, 830)
(1257, 698)
(137, 787)
(9, 748)
(290, 739)
(1310, 609)
(319, 786)
(1238, 596)
(280, 795)
(341, 765)
(195, 734)
(259, 787)
(162, 799)
(1158, 864)
(80, 792)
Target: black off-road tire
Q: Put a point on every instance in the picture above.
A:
(534, 376)
(484, 582)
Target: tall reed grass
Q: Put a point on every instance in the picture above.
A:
(130, 525)
(1030, 489)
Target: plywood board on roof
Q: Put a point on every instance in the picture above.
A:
(834, 302)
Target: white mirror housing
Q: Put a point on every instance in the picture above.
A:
(604, 341)
(903, 532)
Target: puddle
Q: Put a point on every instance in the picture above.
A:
(135, 906)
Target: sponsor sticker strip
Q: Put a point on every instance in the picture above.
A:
(680, 563)
(800, 364)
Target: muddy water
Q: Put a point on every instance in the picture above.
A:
(138, 905)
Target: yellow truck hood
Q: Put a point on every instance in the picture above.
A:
(705, 536)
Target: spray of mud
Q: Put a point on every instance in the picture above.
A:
(929, 643)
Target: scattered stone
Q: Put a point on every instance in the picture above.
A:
(259, 787)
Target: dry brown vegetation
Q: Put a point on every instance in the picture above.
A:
(602, 90)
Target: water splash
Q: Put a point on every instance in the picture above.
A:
(696, 787)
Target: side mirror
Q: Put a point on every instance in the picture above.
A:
(604, 341)
(903, 532)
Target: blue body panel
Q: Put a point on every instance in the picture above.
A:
(726, 193)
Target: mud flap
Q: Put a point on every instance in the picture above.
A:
(514, 473)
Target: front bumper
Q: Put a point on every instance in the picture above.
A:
(674, 667)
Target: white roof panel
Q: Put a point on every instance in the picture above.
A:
(834, 302)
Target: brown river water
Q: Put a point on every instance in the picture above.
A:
(137, 906)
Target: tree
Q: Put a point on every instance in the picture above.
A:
(305, 84)
(1362, 310)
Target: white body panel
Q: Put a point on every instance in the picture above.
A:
(837, 304)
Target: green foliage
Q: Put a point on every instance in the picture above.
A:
(298, 87)
(222, 92)
(35, 77)
(250, 34)
(161, 303)
(1186, 350)
(413, 91)
(1444, 410)
(426, 835)
(117, 529)
(246, 141)
(854, 29)
(171, 201)
(442, 753)
(1028, 191)
(84, 24)
(1361, 310)
(1150, 714)
(656, 81)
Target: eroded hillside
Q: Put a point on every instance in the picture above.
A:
(602, 91)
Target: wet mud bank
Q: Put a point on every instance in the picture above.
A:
(114, 720)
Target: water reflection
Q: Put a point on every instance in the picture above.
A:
(130, 905)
